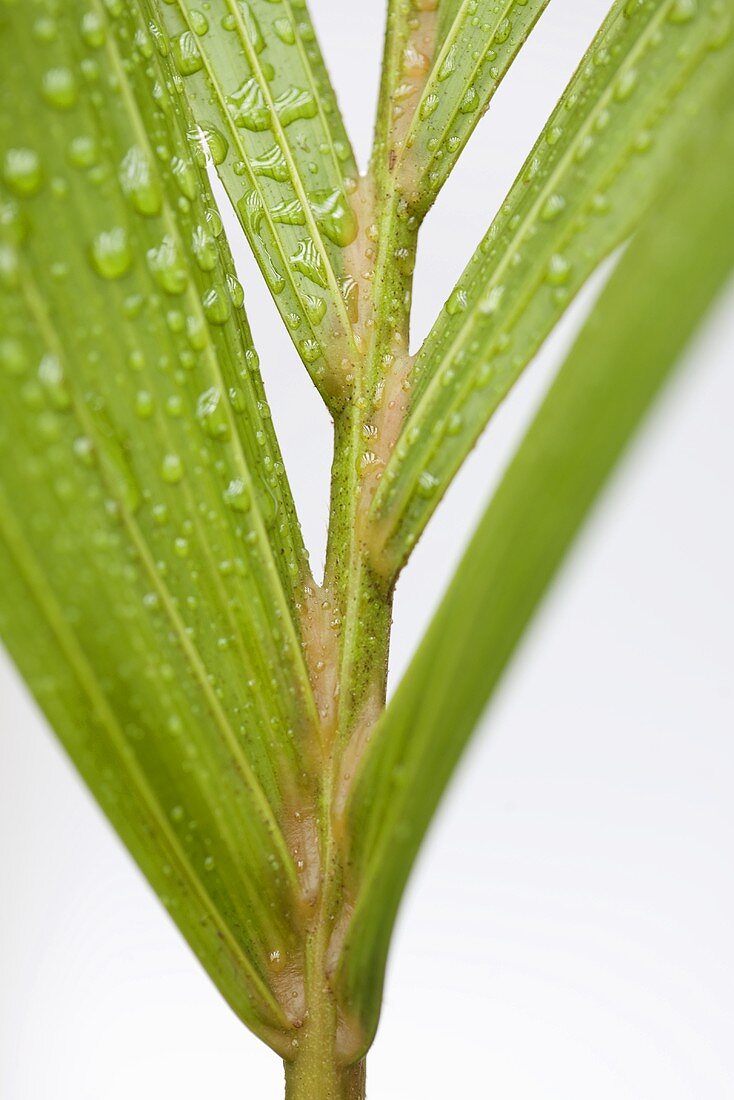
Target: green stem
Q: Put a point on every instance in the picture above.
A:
(318, 1069)
(324, 1064)
(316, 1078)
(364, 602)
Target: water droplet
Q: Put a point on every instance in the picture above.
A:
(51, 376)
(288, 212)
(59, 89)
(335, 216)
(235, 291)
(558, 271)
(167, 267)
(139, 183)
(212, 415)
(552, 207)
(208, 143)
(492, 301)
(448, 65)
(92, 30)
(45, 29)
(160, 514)
(683, 11)
(310, 350)
(271, 163)
(429, 105)
(295, 103)
(83, 151)
(455, 423)
(427, 484)
(110, 253)
(315, 308)
(308, 261)
(457, 302)
(503, 31)
(625, 86)
(252, 27)
(204, 248)
(172, 469)
(273, 276)
(185, 177)
(251, 211)
(84, 450)
(22, 171)
(470, 101)
(248, 108)
(284, 30)
(199, 22)
(237, 495)
(217, 306)
(12, 356)
(186, 55)
(144, 404)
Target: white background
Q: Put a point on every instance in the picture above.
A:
(568, 933)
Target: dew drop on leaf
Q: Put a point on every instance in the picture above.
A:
(335, 216)
(60, 89)
(111, 254)
(211, 414)
(172, 469)
(167, 267)
(22, 171)
(139, 183)
(186, 55)
(237, 495)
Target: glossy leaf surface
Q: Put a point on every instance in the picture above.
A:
(265, 109)
(151, 561)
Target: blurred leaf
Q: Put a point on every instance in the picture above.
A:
(657, 296)
(150, 558)
(263, 103)
(613, 136)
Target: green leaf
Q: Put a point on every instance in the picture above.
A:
(150, 560)
(614, 134)
(264, 105)
(655, 299)
(435, 86)
(478, 43)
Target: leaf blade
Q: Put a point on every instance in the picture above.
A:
(257, 68)
(478, 44)
(646, 315)
(141, 515)
(583, 189)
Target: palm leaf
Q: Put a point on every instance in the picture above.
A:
(478, 41)
(150, 558)
(265, 108)
(655, 299)
(614, 134)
